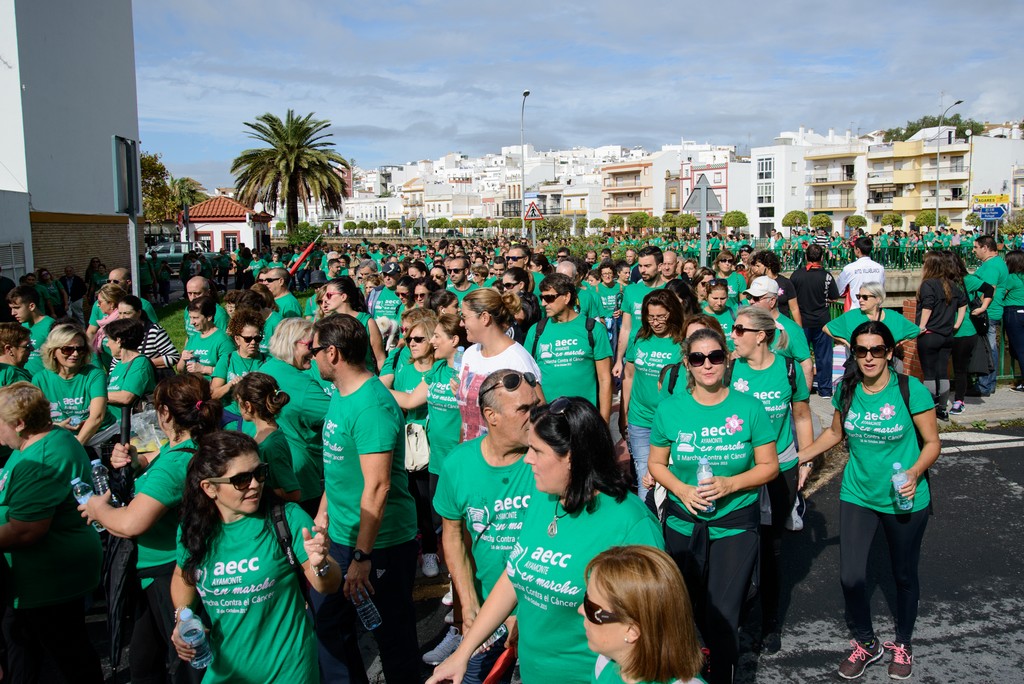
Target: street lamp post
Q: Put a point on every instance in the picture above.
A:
(938, 147)
(522, 166)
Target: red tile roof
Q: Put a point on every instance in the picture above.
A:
(219, 209)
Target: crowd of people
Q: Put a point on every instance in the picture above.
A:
(603, 454)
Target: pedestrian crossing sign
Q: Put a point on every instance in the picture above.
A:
(533, 213)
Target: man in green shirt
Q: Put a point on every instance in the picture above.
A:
(458, 274)
(994, 272)
(198, 287)
(25, 307)
(567, 346)
(276, 280)
(388, 304)
(648, 265)
(370, 509)
(484, 490)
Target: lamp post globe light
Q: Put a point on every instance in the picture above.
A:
(522, 166)
(938, 147)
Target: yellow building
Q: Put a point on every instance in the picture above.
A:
(901, 178)
(835, 181)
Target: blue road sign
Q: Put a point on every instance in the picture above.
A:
(993, 212)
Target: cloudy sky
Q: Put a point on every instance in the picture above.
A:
(412, 80)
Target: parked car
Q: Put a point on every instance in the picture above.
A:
(173, 252)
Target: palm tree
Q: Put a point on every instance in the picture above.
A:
(185, 192)
(298, 164)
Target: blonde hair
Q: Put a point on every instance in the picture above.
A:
(419, 316)
(23, 401)
(645, 589)
(286, 334)
(61, 335)
(112, 294)
(763, 320)
(502, 307)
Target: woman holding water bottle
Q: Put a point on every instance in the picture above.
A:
(713, 518)
(229, 538)
(878, 410)
(53, 559)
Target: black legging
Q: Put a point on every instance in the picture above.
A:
(419, 487)
(55, 634)
(963, 347)
(781, 494)
(933, 350)
(903, 534)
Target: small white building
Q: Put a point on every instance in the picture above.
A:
(224, 223)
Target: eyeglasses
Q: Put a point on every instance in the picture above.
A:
(657, 318)
(113, 281)
(27, 346)
(756, 298)
(328, 294)
(513, 258)
(864, 298)
(71, 349)
(242, 481)
(422, 295)
(415, 339)
(596, 613)
(740, 329)
(726, 261)
(502, 285)
(401, 293)
(696, 359)
(512, 381)
(452, 271)
(550, 298)
(249, 339)
(267, 280)
(877, 352)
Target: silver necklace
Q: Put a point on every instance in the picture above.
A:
(553, 525)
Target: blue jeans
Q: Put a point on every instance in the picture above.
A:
(393, 570)
(640, 445)
(987, 383)
(822, 345)
(481, 665)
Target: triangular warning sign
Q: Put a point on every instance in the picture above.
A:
(533, 213)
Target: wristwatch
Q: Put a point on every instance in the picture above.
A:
(359, 556)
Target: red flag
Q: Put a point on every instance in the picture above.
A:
(302, 257)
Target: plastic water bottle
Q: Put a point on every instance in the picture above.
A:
(75, 421)
(83, 492)
(459, 352)
(704, 473)
(498, 635)
(899, 478)
(101, 480)
(368, 613)
(194, 634)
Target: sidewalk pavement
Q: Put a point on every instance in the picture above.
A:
(1004, 405)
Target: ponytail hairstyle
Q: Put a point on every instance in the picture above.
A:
(852, 376)
(200, 518)
(188, 400)
(763, 320)
(502, 307)
(262, 393)
(346, 286)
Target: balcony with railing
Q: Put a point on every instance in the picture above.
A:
(880, 203)
(831, 176)
(623, 203)
(880, 177)
(833, 203)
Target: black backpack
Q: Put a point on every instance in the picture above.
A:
(542, 323)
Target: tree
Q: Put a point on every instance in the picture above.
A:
(394, 225)
(637, 220)
(653, 222)
(892, 220)
(687, 222)
(363, 227)
(973, 220)
(185, 191)
(598, 224)
(616, 221)
(735, 219)
(926, 217)
(349, 225)
(303, 234)
(156, 195)
(794, 218)
(822, 221)
(930, 121)
(297, 164)
(1014, 225)
(856, 221)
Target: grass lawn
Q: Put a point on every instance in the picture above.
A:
(173, 321)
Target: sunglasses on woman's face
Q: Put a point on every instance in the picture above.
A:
(864, 297)
(597, 614)
(739, 329)
(72, 349)
(242, 481)
(249, 339)
(878, 351)
(697, 359)
(415, 339)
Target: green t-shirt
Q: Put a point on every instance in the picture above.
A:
(648, 357)
(726, 434)
(881, 432)
(269, 326)
(775, 390)
(566, 358)
(548, 575)
(164, 481)
(209, 350)
(37, 335)
(588, 305)
(368, 421)
(71, 397)
(796, 344)
(610, 298)
(233, 366)
(302, 421)
(491, 501)
(388, 304)
(608, 672)
(461, 294)
(406, 380)
(309, 309)
(220, 320)
(137, 376)
(35, 484)
(737, 284)
(726, 319)
(994, 272)
(444, 421)
(275, 451)
(632, 304)
(256, 609)
(843, 326)
(1014, 295)
(8, 376)
(288, 306)
(397, 359)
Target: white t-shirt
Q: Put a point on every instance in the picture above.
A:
(475, 369)
(861, 271)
